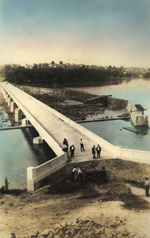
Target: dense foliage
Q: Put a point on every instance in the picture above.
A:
(61, 76)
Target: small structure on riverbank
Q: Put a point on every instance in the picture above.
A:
(138, 118)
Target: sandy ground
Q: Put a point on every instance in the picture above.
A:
(118, 208)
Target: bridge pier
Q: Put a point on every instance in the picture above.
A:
(17, 114)
(25, 122)
(38, 140)
(5, 94)
(9, 101)
(7, 98)
(12, 106)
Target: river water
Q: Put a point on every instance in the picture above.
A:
(137, 91)
(17, 151)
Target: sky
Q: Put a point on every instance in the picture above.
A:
(90, 32)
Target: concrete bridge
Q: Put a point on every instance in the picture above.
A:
(53, 127)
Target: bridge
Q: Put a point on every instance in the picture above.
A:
(53, 127)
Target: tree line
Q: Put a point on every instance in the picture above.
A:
(147, 75)
(62, 76)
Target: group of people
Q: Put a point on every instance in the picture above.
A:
(96, 149)
(65, 147)
(72, 147)
(77, 174)
(98, 176)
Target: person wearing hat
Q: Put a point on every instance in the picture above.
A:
(93, 151)
(72, 149)
(98, 149)
(65, 143)
(82, 145)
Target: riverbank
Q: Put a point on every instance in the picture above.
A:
(77, 105)
(118, 208)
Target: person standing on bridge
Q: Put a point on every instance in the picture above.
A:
(93, 151)
(82, 145)
(65, 143)
(72, 149)
(98, 149)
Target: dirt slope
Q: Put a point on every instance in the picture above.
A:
(118, 208)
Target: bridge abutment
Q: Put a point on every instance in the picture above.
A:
(46, 173)
(31, 174)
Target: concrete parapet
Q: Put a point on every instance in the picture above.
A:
(13, 91)
(116, 151)
(105, 145)
(31, 174)
(36, 175)
(50, 141)
(134, 155)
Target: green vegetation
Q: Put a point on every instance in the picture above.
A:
(63, 76)
(147, 74)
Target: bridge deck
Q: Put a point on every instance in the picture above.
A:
(55, 126)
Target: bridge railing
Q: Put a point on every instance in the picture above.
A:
(115, 151)
(50, 165)
(134, 155)
(105, 144)
(35, 175)
(34, 121)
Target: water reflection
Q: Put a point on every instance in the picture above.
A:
(43, 152)
(142, 131)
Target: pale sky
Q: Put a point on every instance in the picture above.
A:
(99, 32)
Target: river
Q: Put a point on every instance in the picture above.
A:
(18, 152)
(137, 91)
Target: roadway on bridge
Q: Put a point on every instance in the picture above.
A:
(56, 127)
